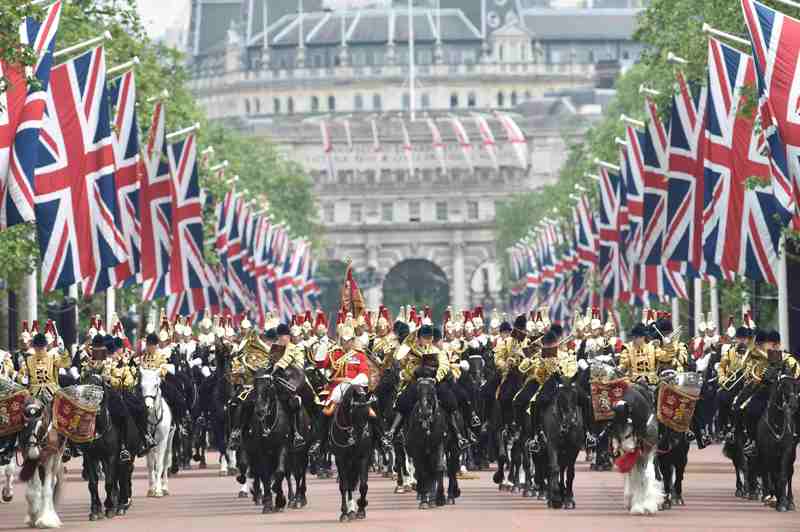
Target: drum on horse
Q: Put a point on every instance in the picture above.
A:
(351, 440)
(159, 419)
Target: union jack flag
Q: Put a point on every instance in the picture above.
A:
(21, 111)
(654, 214)
(608, 227)
(187, 265)
(75, 191)
(437, 143)
(463, 141)
(155, 202)
(487, 137)
(585, 233)
(515, 137)
(740, 230)
(683, 237)
(633, 172)
(776, 51)
(126, 177)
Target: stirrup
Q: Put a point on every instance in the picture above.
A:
(124, 456)
(534, 445)
(749, 448)
(463, 443)
(475, 421)
(298, 441)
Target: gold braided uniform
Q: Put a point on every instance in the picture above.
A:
(157, 360)
(42, 371)
(567, 362)
(507, 356)
(673, 355)
(292, 356)
(413, 360)
(384, 347)
(639, 362)
(730, 363)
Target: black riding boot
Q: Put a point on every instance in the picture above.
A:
(463, 442)
(297, 440)
(124, 453)
(389, 438)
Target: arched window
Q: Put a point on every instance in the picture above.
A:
(331, 103)
(377, 104)
(358, 102)
(472, 100)
(290, 105)
(501, 99)
(426, 101)
(454, 100)
(247, 106)
(501, 52)
(513, 98)
(314, 104)
(276, 106)
(258, 106)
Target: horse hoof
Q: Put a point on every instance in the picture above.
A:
(266, 510)
(399, 489)
(110, 514)
(569, 505)
(739, 493)
(679, 501)
(343, 518)
(753, 496)
(440, 502)
(120, 512)
(451, 501)
(497, 478)
(243, 495)
(424, 506)
(8, 498)
(666, 504)
(92, 517)
(541, 496)
(791, 506)
(361, 514)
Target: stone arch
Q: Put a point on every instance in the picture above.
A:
(416, 281)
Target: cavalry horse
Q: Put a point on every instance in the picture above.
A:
(266, 444)
(394, 456)
(159, 417)
(424, 441)
(351, 441)
(42, 468)
(8, 466)
(562, 422)
(634, 435)
(776, 445)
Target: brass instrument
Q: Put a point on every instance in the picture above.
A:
(255, 354)
(759, 366)
(734, 378)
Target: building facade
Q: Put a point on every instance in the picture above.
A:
(277, 69)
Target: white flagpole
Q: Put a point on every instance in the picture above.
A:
(698, 304)
(676, 313)
(412, 74)
(783, 296)
(715, 302)
(111, 304)
(85, 44)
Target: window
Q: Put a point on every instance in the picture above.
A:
(523, 52)
(413, 211)
(472, 210)
(356, 213)
(472, 100)
(406, 101)
(331, 103)
(290, 105)
(454, 100)
(376, 102)
(501, 99)
(276, 106)
(328, 213)
(247, 106)
(501, 52)
(424, 56)
(314, 104)
(358, 102)
(258, 106)
(387, 212)
(426, 101)
(441, 211)
(514, 98)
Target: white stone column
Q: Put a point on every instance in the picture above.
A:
(458, 291)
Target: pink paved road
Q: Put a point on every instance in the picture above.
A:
(201, 500)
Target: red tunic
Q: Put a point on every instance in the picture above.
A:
(355, 365)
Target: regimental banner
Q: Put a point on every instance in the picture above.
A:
(605, 394)
(676, 407)
(75, 416)
(12, 408)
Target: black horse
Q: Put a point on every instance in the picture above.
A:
(425, 436)
(351, 441)
(562, 422)
(776, 445)
(266, 443)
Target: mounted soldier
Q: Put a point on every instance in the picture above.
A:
(39, 370)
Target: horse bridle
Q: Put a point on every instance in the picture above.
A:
(157, 406)
(784, 407)
(261, 414)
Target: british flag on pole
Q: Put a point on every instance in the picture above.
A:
(21, 112)
(585, 233)
(75, 191)
(683, 237)
(742, 223)
(155, 201)
(122, 92)
(187, 264)
(776, 51)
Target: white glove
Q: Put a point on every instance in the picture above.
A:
(401, 352)
(474, 343)
(205, 371)
(62, 371)
(360, 380)
(73, 372)
(195, 362)
(464, 365)
(582, 364)
(170, 368)
(25, 380)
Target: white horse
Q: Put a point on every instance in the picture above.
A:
(7, 474)
(159, 416)
(42, 449)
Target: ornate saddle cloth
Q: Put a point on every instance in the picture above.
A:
(604, 394)
(12, 403)
(676, 404)
(75, 411)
